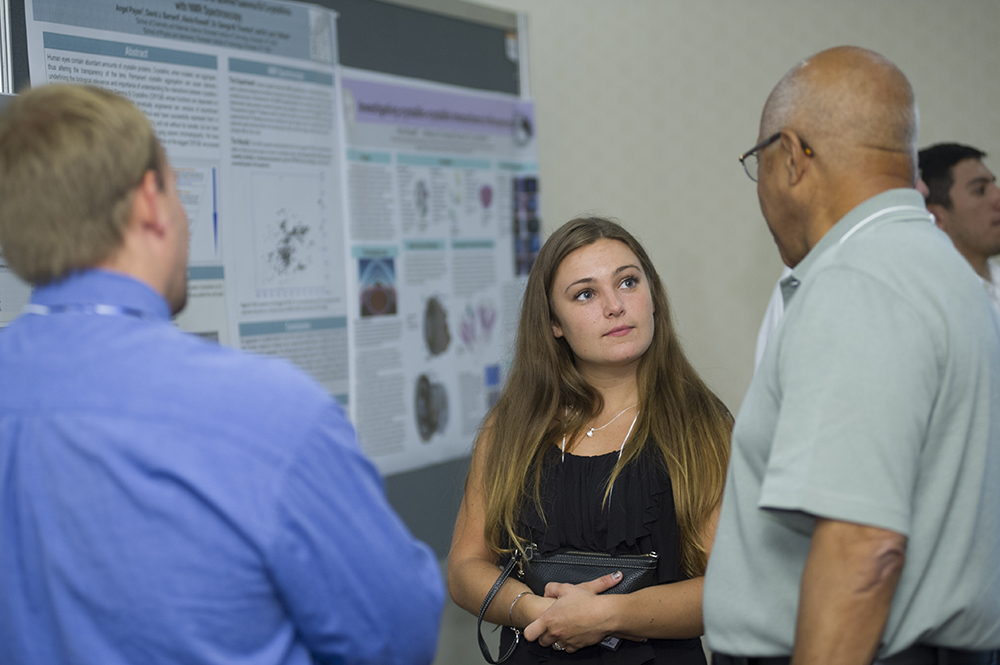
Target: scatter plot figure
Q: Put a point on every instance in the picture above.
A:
(291, 252)
(289, 232)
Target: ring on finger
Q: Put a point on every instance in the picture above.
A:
(558, 647)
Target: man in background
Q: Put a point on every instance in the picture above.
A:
(164, 499)
(965, 201)
(859, 516)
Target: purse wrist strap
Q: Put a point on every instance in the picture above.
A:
(482, 612)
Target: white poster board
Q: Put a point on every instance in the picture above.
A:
(432, 175)
(244, 98)
(14, 293)
(375, 231)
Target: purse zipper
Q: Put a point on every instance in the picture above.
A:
(651, 555)
(532, 549)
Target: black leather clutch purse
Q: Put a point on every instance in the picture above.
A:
(638, 570)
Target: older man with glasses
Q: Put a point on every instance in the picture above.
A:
(859, 521)
(776, 304)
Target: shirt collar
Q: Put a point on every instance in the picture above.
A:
(848, 224)
(103, 287)
(994, 273)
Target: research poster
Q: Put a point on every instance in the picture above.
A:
(442, 192)
(374, 230)
(244, 97)
(14, 293)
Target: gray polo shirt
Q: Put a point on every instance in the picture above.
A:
(877, 402)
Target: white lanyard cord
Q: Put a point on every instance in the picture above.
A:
(101, 309)
(885, 211)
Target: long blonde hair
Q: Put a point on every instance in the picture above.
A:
(545, 398)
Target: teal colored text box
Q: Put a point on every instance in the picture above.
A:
(424, 245)
(520, 167)
(279, 72)
(360, 252)
(206, 272)
(451, 162)
(371, 157)
(103, 47)
(295, 326)
(473, 243)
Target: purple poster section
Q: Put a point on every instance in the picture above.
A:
(443, 225)
(419, 107)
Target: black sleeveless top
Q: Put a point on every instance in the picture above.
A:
(639, 518)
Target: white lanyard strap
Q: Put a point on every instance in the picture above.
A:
(884, 211)
(100, 309)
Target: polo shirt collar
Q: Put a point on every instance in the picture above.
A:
(888, 199)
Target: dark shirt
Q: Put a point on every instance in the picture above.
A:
(639, 518)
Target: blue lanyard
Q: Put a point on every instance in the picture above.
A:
(103, 310)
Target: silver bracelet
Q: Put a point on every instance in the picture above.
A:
(510, 612)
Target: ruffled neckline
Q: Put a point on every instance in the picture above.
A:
(572, 492)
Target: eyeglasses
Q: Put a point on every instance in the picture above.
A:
(751, 166)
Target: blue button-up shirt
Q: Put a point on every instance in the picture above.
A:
(167, 500)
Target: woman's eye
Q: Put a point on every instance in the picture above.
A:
(586, 294)
(629, 282)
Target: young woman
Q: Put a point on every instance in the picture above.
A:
(605, 440)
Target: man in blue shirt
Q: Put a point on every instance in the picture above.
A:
(164, 499)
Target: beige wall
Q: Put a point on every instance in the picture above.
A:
(643, 106)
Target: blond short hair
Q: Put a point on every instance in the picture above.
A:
(71, 158)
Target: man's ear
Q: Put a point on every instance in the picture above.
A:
(146, 210)
(940, 213)
(794, 159)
